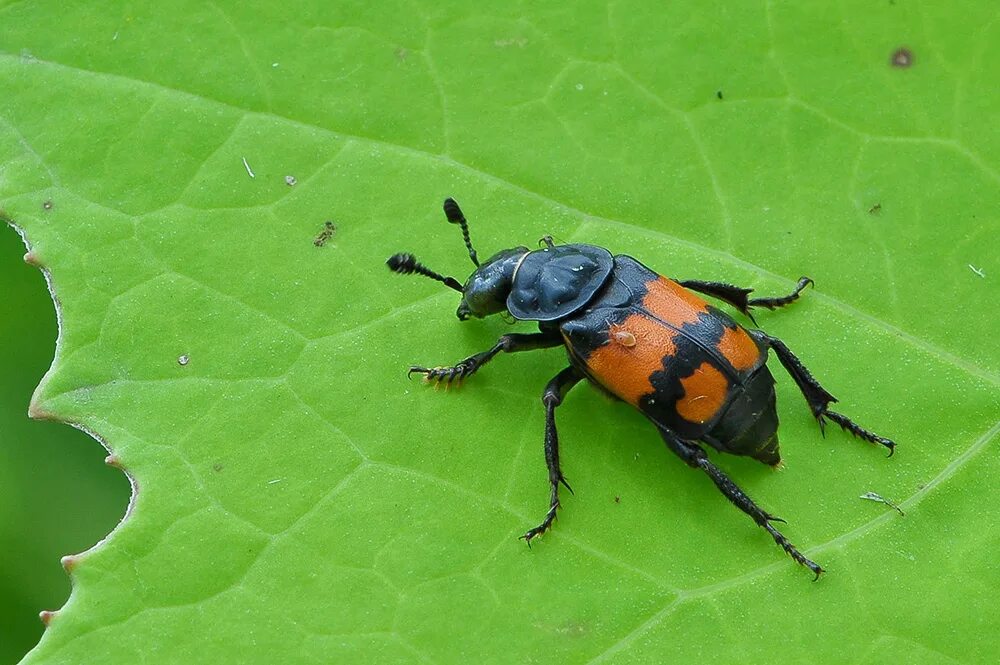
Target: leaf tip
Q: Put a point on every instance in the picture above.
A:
(32, 259)
(69, 562)
(113, 461)
(37, 412)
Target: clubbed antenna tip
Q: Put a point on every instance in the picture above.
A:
(406, 264)
(453, 212)
(455, 216)
(402, 263)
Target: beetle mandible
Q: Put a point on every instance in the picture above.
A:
(695, 373)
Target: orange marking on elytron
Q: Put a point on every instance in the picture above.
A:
(669, 301)
(704, 393)
(635, 350)
(737, 347)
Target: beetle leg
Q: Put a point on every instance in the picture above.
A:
(552, 397)
(816, 395)
(738, 296)
(695, 457)
(509, 343)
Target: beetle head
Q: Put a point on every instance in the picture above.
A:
(486, 290)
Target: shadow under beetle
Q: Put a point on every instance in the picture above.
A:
(696, 374)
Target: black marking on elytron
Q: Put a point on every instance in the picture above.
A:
(554, 282)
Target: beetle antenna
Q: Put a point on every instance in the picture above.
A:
(455, 216)
(405, 264)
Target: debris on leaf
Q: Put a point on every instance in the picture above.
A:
(246, 165)
(902, 58)
(183, 360)
(290, 180)
(872, 496)
(978, 271)
(325, 234)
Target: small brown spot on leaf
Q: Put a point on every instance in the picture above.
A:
(47, 205)
(902, 58)
(46, 616)
(718, 94)
(217, 467)
(875, 209)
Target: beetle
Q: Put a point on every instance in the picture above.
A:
(651, 341)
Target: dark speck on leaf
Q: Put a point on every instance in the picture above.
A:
(875, 209)
(718, 94)
(217, 467)
(902, 58)
(47, 205)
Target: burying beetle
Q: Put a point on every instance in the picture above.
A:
(695, 373)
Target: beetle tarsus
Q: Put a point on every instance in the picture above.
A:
(849, 425)
(781, 301)
(791, 550)
(544, 526)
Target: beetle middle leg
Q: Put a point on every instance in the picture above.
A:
(553, 396)
(510, 343)
(738, 296)
(817, 397)
(695, 457)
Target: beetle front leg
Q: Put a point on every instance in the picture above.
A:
(553, 396)
(510, 343)
(817, 397)
(696, 458)
(738, 296)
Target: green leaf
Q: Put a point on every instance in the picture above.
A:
(299, 500)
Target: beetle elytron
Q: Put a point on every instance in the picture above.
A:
(696, 374)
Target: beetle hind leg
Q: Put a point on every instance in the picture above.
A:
(552, 397)
(817, 397)
(696, 458)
